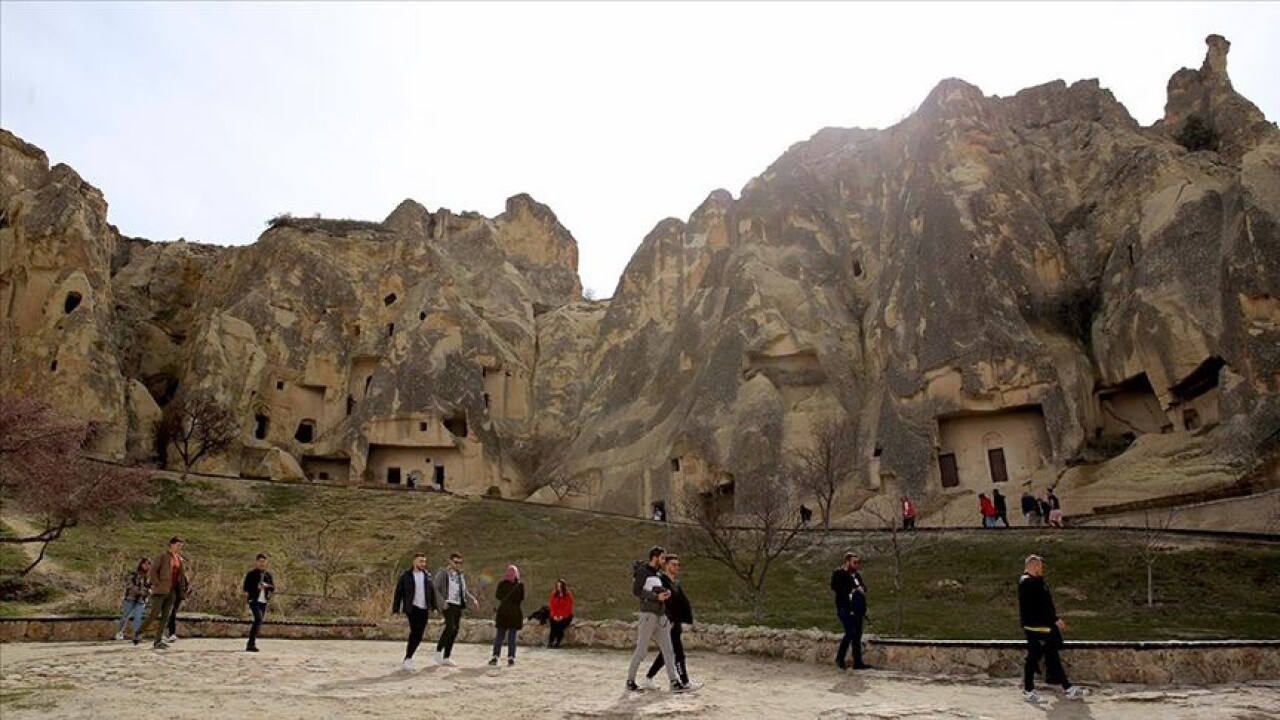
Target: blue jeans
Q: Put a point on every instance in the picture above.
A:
(510, 635)
(259, 610)
(131, 610)
(852, 639)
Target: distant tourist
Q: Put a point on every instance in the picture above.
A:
(509, 618)
(648, 588)
(988, 510)
(1045, 509)
(416, 594)
(908, 514)
(659, 513)
(560, 612)
(680, 613)
(170, 582)
(452, 595)
(806, 515)
(1043, 628)
(1055, 509)
(1030, 507)
(258, 588)
(851, 609)
(137, 591)
(1002, 510)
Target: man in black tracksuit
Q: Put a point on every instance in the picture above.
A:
(851, 609)
(679, 612)
(1043, 628)
(416, 594)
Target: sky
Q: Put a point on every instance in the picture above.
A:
(202, 121)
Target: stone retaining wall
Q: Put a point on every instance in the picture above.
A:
(1148, 663)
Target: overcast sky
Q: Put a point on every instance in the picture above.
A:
(202, 121)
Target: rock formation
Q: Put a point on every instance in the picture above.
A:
(996, 290)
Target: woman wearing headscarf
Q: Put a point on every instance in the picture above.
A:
(561, 605)
(510, 618)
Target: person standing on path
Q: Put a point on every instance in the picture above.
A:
(851, 609)
(648, 588)
(169, 584)
(908, 514)
(509, 618)
(1002, 510)
(137, 591)
(1055, 508)
(1043, 628)
(416, 593)
(452, 594)
(560, 607)
(680, 612)
(258, 588)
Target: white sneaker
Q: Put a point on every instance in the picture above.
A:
(408, 665)
(693, 685)
(1075, 692)
(119, 636)
(1032, 697)
(648, 684)
(171, 639)
(440, 657)
(449, 663)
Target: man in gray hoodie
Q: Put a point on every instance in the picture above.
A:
(451, 597)
(647, 586)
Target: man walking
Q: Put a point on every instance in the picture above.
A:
(1043, 628)
(851, 609)
(679, 612)
(451, 589)
(258, 589)
(1030, 507)
(908, 514)
(169, 584)
(647, 586)
(1002, 510)
(416, 593)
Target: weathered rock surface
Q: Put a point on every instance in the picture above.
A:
(996, 290)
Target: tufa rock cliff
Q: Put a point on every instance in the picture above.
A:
(995, 290)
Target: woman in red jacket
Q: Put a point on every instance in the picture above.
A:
(988, 509)
(561, 605)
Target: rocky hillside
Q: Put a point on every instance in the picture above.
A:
(995, 290)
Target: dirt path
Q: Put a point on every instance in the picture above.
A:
(296, 680)
(22, 528)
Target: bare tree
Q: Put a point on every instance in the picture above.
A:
(196, 425)
(822, 467)
(43, 474)
(1155, 532)
(748, 538)
(326, 554)
(889, 540)
(541, 456)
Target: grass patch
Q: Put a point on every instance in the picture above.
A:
(962, 586)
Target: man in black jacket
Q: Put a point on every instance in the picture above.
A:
(414, 592)
(1002, 509)
(1043, 628)
(851, 608)
(679, 611)
(258, 587)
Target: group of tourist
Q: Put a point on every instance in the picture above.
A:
(664, 609)
(164, 582)
(1039, 511)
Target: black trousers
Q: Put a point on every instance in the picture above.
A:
(1044, 645)
(452, 619)
(417, 626)
(556, 635)
(173, 615)
(677, 647)
(908, 523)
(1003, 516)
(852, 639)
(259, 610)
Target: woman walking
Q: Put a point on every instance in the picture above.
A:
(510, 618)
(137, 590)
(561, 605)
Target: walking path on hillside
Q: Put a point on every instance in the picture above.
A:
(334, 679)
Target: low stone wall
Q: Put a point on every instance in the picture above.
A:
(1148, 663)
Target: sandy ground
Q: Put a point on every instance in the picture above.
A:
(338, 679)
